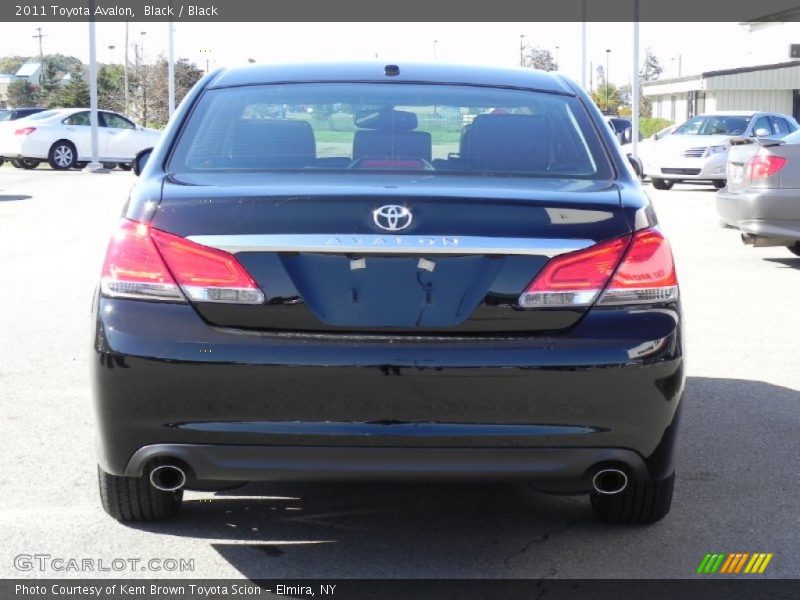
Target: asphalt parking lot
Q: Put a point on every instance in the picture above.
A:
(738, 478)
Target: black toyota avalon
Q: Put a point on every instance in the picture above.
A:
(371, 272)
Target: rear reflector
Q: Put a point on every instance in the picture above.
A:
(762, 166)
(149, 264)
(641, 265)
(25, 131)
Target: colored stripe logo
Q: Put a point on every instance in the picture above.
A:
(734, 563)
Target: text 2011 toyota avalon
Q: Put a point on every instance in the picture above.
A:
(360, 271)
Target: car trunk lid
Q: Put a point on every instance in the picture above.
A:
(325, 263)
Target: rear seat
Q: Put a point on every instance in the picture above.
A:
(507, 143)
(391, 136)
(273, 144)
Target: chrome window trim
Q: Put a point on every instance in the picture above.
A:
(338, 243)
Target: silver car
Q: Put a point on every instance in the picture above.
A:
(762, 197)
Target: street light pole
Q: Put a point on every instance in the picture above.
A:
(125, 71)
(171, 68)
(207, 52)
(435, 48)
(144, 83)
(608, 51)
(521, 49)
(583, 46)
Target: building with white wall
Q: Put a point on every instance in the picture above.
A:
(773, 88)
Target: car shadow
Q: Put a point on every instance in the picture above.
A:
(793, 263)
(13, 197)
(727, 473)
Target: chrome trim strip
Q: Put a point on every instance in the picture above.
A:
(339, 243)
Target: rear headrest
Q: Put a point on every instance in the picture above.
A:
(386, 120)
(508, 142)
(273, 143)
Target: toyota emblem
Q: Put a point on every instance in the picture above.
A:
(392, 217)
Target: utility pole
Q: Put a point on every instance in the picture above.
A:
(144, 84)
(635, 89)
(521, 50)
(125, 70)
(40, 35)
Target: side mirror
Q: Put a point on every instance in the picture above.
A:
(637, 166)
(140, 160)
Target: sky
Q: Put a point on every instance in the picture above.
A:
(697, 47)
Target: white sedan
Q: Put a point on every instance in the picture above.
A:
(698, 149)
(63, 137)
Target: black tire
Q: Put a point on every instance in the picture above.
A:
(79, 166)
(26, 163)
(134, 499)
(641, 503)
(109, 166)
(125, 166)
(662, 184)
(795, 248)
(62, 155)
(719, 183)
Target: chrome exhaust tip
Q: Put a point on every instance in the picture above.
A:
(609, 481)
(167, 478)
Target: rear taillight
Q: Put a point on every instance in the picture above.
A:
(647, 273)
(575, 279)
(25, 131)
(762, 166)
(632, 270)
(149, 264)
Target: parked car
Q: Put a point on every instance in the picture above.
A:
(12, 114)
(762, 197)
(698, 149)
(62, 137)
(623, 131)
(647, 146)
(386, 305)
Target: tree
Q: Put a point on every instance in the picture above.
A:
(538, 58)
(21, 93)
(76, 93)
(49, 88)
(651, 68)
(607, 102)
(650, 71)
(60, 62)
(152, 84)
(111, 88)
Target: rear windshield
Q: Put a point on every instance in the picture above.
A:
(714, 125)
(390, 127)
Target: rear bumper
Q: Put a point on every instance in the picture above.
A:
(768, 212)
(251, 406)
(561, 470)
(682, 168)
